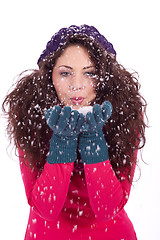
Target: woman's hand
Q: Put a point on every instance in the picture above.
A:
(64, 122)
(66, 125)
(95, 121)
(92, 144)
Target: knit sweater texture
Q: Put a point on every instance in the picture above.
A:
(70, 204)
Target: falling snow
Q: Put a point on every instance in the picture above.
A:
(88, 199)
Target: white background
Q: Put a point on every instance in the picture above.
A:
(133, 28)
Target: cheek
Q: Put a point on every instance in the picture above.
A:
(91, 86)
(61, 88)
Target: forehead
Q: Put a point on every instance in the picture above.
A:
(75, 54)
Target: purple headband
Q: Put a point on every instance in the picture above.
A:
(59, 39)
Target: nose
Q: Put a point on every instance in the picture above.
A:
(77, 83)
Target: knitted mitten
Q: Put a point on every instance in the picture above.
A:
(92, 144)
(66, 125)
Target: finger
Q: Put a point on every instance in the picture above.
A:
(106, 110)
(97, 111)
(48, 113)
(53, 116)
(73, 119)
(80, 121)
(64, 118)
(91, 120)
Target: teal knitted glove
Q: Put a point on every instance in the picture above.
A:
(92, 144)
(66, 125)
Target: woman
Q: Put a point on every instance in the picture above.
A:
(77, 170)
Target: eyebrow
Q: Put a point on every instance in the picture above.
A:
(89, 67)
(65, 66)
(72, 68)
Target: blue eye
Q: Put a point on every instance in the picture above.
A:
(65, 74)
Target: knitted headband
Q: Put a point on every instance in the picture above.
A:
(59, 39)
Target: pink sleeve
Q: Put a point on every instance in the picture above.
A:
(46, 191)
(107, 194)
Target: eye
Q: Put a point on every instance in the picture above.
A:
(65, 74)
(91, 74)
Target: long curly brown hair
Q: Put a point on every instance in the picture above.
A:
(34, 93)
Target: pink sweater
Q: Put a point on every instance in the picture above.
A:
(71, 205)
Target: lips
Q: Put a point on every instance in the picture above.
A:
(77, 100)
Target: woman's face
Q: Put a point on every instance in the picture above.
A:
(74, 77)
